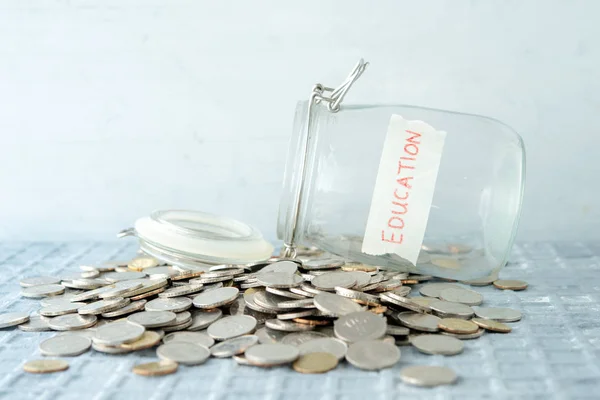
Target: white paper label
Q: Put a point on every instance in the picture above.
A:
(404, 189)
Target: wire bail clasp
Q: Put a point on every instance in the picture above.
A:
(337, 95)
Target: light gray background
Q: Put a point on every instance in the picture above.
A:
(112, 108)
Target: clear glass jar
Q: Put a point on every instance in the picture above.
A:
(476, 202)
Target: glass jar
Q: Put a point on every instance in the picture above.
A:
(332, 168)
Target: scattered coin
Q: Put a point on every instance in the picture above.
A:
(297, 338)
(183, 353)
(465, 336)
(71, 322)
(65, 346)
(451, 310)
(121, 288)
(427, 375)
(324, 345)
(335, 305)
(153, 319)
(103, 306)
(234, 346)
(117, 333)
(287, 326)
(459, 326)
(372, 355)
(268, 355)
(330, 280)
(147, 340)
(202, 319)
(288, 267)
(13, 318)
(420, 322)
(216, 298)
(182, 290)
(141, 263)
(200, 338)
(123, 276)
(315, 363)
(39, 280)
(438, 344)
(60, 309)
(498, 313)
(128, 309)
(230, 327)
(492, 325)
(460, 295)
(434, 289)
(155, 368)
(485, 281)
(45, 366)
(506, 284)
(176, 304)
(36, 323)
(36, 292)
(357, 326)
(279, 280)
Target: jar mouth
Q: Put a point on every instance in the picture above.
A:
(197, 224)
(184, 237)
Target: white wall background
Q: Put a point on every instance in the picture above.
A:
(112, 108)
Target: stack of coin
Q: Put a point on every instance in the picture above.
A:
(311, 312)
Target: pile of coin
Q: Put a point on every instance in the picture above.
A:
(312, 312)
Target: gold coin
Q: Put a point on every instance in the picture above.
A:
(379, 309)
(314, 322)
(491, 325)
(446, 263)
(250, 291)
(156, 368)
(508, 284)
(141, 263)
(148, 339)
(359, 267)
(456, 325)
(315, 363)
(45, 366)
(409, 281)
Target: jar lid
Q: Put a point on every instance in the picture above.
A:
(183, 237)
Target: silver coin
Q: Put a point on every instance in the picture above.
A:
(39, 280)
(128, 309)
(460, 295)
(357, 326)
(235, 346)
(272, 354)
(202, 319)
(284, 293)
(297, 338)
(287, 267)
(251, 304)
(99, 268)
(71, 322)
(304, 303)
(355, 294)
(287, 326)
(330, 280)
(183, 290)
(60, 309)
(179, 327)
(148, 285)
(13, 318)
(362, 278)
(402, 291)
(397, 330)
(216, 298)
(153, 319)
(230, 327)
(309, 288)
(109, 349)
(123, 276)
(420, 322)
(404, 302)
(266, 335)
(466, 336)
(176, 304)
(437, 344)
(36, 323)
(65, 346)
(183, 353)
(302, 292)
(324, 345)
(280, 280)
(36, 292)
(447, 309)
(121, 288)
(102, 306)
(372, 355)
(335, 305)
(298, 314)
(200, 338)
(85, 283)
(266, 300)
(117, 333)
(434, 289)
(501, 314)
(323, 263)
(485, 281)
(182, 317)
(427, 375)
(202, 280)
(229, 272)
(91, 294)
